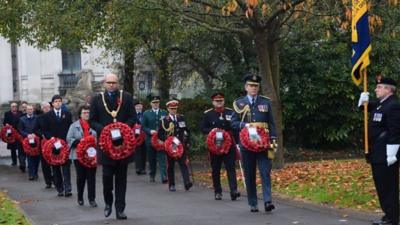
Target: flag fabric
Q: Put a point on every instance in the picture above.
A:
(360, 40)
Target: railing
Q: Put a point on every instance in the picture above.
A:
(67, 82)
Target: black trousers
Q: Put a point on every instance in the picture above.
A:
(119, 172)
(18, 153)
(386, 179)
(62, 177)
(83, 175)
(184, 167)
(216, 164)
(47, 173)
(140, 158)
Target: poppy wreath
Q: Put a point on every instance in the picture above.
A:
(28, 149)
(156, 143)
(255, 146)
(139, 137)
(9, 139)
(172, 152)
(55, 159)
(82, 154)
(122, 151)
(219, 149)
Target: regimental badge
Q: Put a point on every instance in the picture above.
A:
(182, 124)
(228, 117)
(263, 108)
(377, 117)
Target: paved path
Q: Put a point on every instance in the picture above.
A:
(149, 204)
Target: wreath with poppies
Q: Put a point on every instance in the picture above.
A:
(156, 143)
(139, 137)
(55, 157)
(173, 147)
(9, 134)
(122, 151)
(31, 149)
(219, 148)
(257, 145)
(88, 160)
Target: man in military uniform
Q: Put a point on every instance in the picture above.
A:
(150, 124)
(254, 110)
(220, 117)
(140, 152)
(113, 105)
(174, 124)
(384, 142)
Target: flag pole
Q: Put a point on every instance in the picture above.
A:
(366, 150)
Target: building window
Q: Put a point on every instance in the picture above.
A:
(71, 61)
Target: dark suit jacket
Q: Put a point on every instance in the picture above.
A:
(13, 120)
(99, 118)
(54, 127)
(384, 127)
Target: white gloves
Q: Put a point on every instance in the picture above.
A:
(391, 152)
(364, 97)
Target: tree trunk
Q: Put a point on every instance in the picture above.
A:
(270, 73)
(164, 79)
(129, 66)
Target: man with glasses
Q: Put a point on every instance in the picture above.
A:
(113, 105)
(12, 118)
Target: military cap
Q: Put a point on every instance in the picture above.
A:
(173, 104)
(385, 80)
(217, 96)
(252, 79)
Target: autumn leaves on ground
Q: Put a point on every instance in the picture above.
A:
(9, 213)
(338, 183)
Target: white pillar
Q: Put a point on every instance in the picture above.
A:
(6, 84)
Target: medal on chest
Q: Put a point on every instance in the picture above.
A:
(377, 117)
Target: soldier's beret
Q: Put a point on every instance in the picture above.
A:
(385, 80)
(252, 79)
(173, 104)
(217, 96)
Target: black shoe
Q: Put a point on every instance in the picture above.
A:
(235, 195)
(218, 196)
(22, 168)
(80, 202)
(152, 179)
(60, 194)
(68, 194)
(93, 204)
(121, 216)
(13, 164)
(383, 221)
(253, 208)
(188, 186)
(141, 172)
(107, 210)
(48, 186)
(164, 181)
(31, 178)
(269, 206)
(172, 188)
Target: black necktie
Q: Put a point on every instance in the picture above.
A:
(253, 101)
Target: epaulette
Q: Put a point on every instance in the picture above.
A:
(228, 108)
(265, 97)
(208, 110)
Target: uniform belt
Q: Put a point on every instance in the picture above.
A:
(260, 125)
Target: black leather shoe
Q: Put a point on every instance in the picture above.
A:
(188, 186)
(253, 208)
(218, 196)
(269, 206)
(107, 210)
(80, 201)
(31, 178)
(235, 195)
(382, 221)
(22, 168)
(93, 204)
(48, 186)
(172, 188)
(121, 216)
(165, 181)
(68, 194)
(60, 194)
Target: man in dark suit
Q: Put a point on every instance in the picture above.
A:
(57, 122)
(12, 118)
(39, 131)
(140, 152)
(384, 142)
(113, 106)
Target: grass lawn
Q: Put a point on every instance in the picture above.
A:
(339, 183)
(9, 213)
